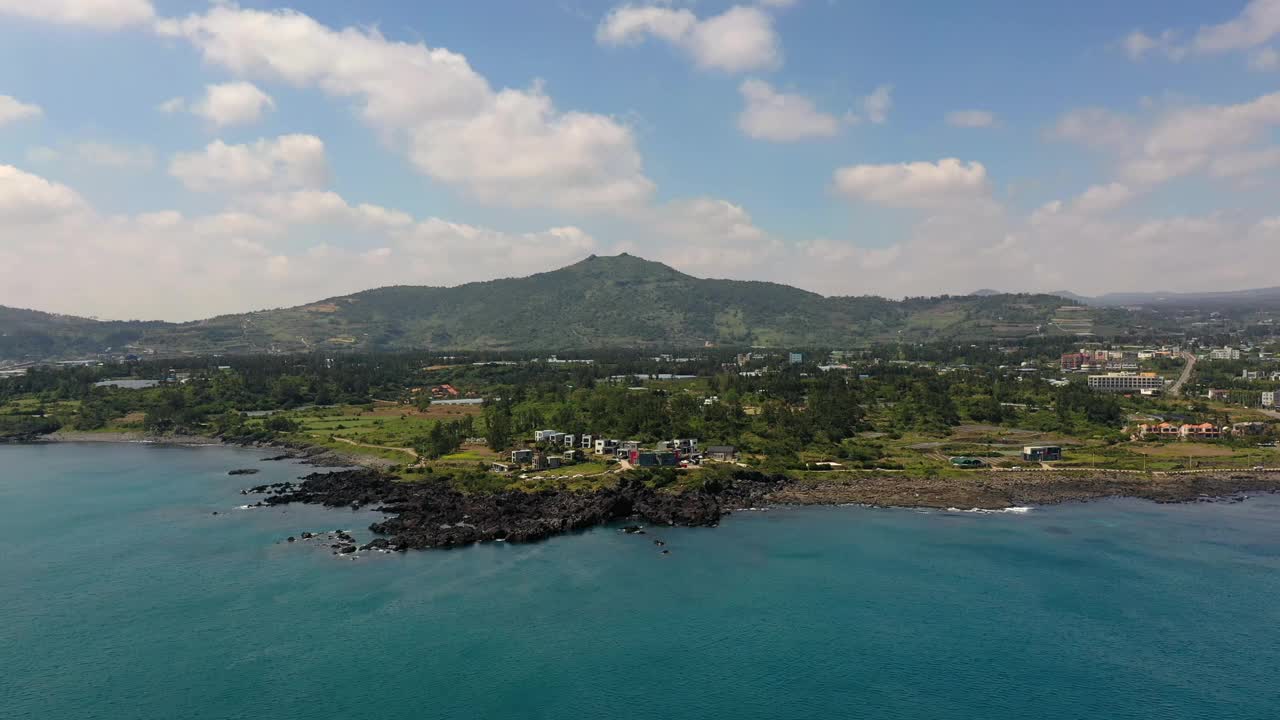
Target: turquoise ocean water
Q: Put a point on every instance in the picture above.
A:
(122, 596)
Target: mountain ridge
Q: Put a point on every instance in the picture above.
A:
(609, 301)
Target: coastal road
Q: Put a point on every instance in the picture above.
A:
(1176, 388)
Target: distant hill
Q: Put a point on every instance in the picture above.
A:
(28, 334)
(1262, 298)
(620, 301)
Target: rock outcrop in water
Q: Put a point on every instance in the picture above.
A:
(433, 515)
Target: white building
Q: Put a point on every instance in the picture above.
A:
(1226, 353)
(1269, 399)
(1126, 382)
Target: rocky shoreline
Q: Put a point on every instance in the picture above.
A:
(432, 515)
(299, 452)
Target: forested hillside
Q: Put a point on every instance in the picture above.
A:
(620, 301)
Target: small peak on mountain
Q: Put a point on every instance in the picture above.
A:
(623, 263)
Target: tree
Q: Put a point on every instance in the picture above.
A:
(422, 400)
(497, 421)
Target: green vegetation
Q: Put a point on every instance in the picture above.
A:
(909, 409)
(601, 302)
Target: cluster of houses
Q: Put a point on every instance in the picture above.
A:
(1198, 431)
(555, 449)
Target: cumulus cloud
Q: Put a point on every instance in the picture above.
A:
(972, 119)
(1102, 198)
(284, 162)
(710, 236)
(782, 117)
(25, 197)
(1139, 44)
(877, 105)
(1094, 127)
(265, 250)
(233, 103)
(1254, 26)
(12, 110)
(509, 147)
(1056, 247)
(946, 184)
(97, 14)
(1180, 141)
(740, 39)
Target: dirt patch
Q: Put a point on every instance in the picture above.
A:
(1182, 450)
(433, 412)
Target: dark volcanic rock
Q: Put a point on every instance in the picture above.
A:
(432, 515)
(243, 471)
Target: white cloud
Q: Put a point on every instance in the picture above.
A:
(286, 161)
(1094, 127)
(1220, 141)
(1244, 164)
(509, 147)
(173, 105)
(97, 14)
(776, 3)
(1057, 247)
(1103, 198)
(1138, 44)
(782, 117)
(972, 119)
(233, 103)
(1265, 59)
(737, 40)
(12, 110)
(278, 249)
(711, 236)
(946, 184)
(1187, 140)
(1256, 24)
(27, 198)
(877, 105)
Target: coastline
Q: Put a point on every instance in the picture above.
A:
(433, 515)
(987, 491)
(425, 515)
(306, 454)
(999, 491)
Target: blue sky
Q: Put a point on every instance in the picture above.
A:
(318, 148)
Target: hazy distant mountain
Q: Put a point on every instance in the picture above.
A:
(1261, 298)
(1072, 296)
(621, 301)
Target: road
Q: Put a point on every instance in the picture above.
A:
(1176, 387)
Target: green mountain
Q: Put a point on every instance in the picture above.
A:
(621, 301)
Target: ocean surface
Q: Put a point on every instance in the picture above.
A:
(123, 596)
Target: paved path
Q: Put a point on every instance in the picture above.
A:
(1176, 387)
